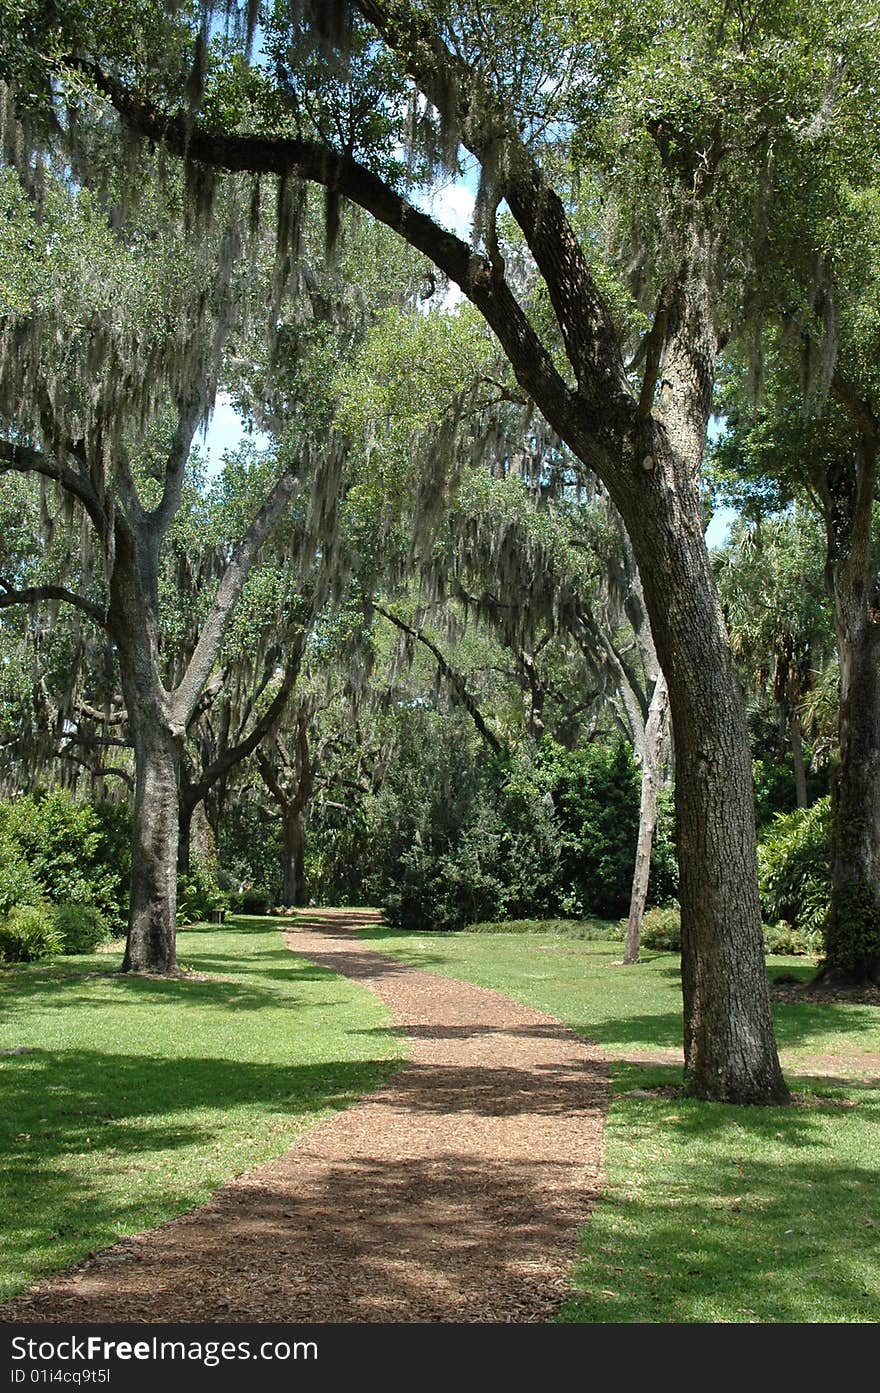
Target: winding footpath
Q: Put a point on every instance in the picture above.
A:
(453, 1192)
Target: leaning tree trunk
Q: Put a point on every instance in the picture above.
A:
(729, 1048)
(648, 803)
(152, 913)
(730, 1052)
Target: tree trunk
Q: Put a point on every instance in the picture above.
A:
(796, 741)
(647, 817)
(729, 1049)
(184, 836)
(852, 931)
(294, 855)
(152, 923)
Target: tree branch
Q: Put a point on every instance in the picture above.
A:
(531, 362)
(37, 594)
(456, 681)
(25, 460)
(234, 754)
(205, 653)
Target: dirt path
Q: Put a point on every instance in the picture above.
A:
(452, 1193)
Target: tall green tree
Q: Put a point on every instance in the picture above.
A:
(689, 134)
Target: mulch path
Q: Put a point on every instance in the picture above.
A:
(452, 1193)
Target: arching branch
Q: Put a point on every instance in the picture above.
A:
(25, 460)
(455, 680)
(44, 594)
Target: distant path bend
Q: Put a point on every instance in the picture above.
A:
(453, 1192)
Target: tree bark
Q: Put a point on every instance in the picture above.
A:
(294, 855)
(852, 930)
(648, 802)
(152, 916)
(852, 933)
(796, 741)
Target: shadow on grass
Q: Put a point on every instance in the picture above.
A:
(133, 1110)
(752, 1213)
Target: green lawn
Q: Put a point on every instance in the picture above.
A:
(624, 1009)
(136, 1099)
(709, 1213)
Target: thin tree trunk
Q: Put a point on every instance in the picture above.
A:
(648, 803)
(796, 741)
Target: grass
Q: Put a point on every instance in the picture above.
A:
(623, 1009)
(136, 1099)
(710, 1213)
(723, 1214)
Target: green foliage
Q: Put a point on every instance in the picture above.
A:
(852, 928)
(82, 927)
(595, 794)
(794, 875)
(77, 853)
(249, 850)
(787, 941)
(30, 932)
(198, 895)
(457, 838)
(254, 900)
(18, 884)
(661, 928)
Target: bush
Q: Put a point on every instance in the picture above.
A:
(78, 853)
(783, 939)
(82, 927)
(28, 933)
(595, 796)
(661, 929)
(198, 895)
(18, 884)
(794, 874)
(252, 901)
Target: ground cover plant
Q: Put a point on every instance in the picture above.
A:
(108, 1128)
(709, 1213)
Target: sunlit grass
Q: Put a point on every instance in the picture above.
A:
(709, 1213)
(136, 1099)
(625, 1009)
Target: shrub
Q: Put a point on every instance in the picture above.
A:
(82, 927)
(18, 884)
(794, 875)
(77, 852)
(595, 797)
(30, 932)
(783, 939)
(252, 901)
(661, 928)
(198, 895)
